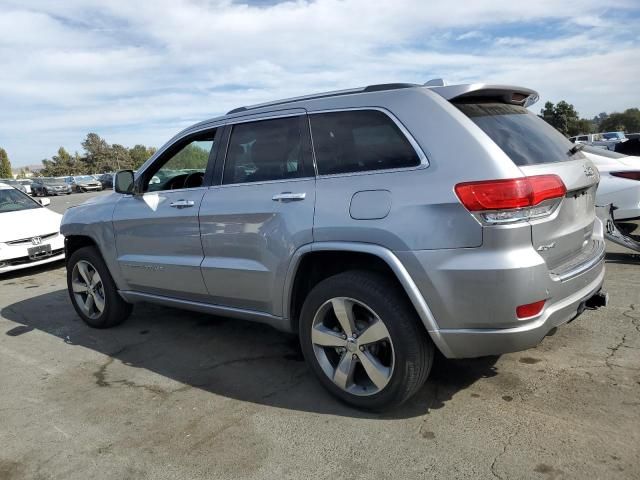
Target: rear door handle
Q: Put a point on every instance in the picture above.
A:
(289, 197)
(182, 204)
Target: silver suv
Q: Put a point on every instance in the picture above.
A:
(379, 224)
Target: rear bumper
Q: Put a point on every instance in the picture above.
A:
(472, 294)
(466, 343)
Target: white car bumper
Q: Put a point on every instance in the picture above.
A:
(24, 254)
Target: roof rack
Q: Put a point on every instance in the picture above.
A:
(370, 88)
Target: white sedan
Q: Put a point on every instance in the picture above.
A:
(29, 233)
(620, 187)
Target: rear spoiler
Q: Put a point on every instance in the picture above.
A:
(524, 97)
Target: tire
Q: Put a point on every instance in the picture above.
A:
(403, 352)
(114, 309)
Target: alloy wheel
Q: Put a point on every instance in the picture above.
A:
(88, 290)
(353, 346)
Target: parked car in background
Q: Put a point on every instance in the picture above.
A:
(47, 186)
(29, 233)
(106, 179)
(84, 183)
(629, 147)
(620, 187)
(606, 140)
(26, 183)
(412, 223)
(633, 136)
(14, 183)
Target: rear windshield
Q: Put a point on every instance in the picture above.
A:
(523, 136)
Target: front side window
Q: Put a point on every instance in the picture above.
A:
(183, 166)
(12, 200)
(359, 140)
(264, 150)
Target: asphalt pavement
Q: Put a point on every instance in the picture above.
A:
(179, 395)
(60, 203)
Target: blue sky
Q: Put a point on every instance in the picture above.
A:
(138, 72)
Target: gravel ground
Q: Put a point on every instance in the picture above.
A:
(177, 395)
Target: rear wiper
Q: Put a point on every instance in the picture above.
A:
(575, 149)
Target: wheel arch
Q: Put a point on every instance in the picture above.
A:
(303, 275)
(72, 243)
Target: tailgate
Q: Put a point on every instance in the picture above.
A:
(567, 233)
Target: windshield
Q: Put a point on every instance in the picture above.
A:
(603, 152)
(613, 135)
(12, 200)
(523, 136)
(85, 178)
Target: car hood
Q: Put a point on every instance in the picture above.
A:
(28, 223)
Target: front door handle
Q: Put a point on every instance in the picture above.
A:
(182, 204)
(289, 197)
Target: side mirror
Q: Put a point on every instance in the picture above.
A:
(123, 182)
(44, 202)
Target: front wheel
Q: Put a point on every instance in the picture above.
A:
(93, 292)
(363, 340)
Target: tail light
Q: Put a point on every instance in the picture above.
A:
(627, 175)
(512, 200)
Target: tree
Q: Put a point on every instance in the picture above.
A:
(563, 117)
(120, 158)
(598, 119)
(140, 154)
(5, 165)
(61, 164)
(98, 156)
(191, 156)
(627, 121)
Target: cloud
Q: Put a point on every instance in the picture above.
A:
(138, 75)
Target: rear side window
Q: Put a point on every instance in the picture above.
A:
(523, 136)
(359, 140)
(264, 150)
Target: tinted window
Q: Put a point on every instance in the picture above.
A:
(264, 150)
(359, 140)
(523, 136)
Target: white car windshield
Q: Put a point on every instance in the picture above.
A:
(85, 178)
(12, 200)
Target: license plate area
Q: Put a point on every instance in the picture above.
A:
(39, 251)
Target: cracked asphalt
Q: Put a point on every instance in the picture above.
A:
(178, 395)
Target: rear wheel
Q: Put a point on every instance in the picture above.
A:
(363, 340)
(92, 290)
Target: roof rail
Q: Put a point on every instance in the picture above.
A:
(370, 88)
(389, 86)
